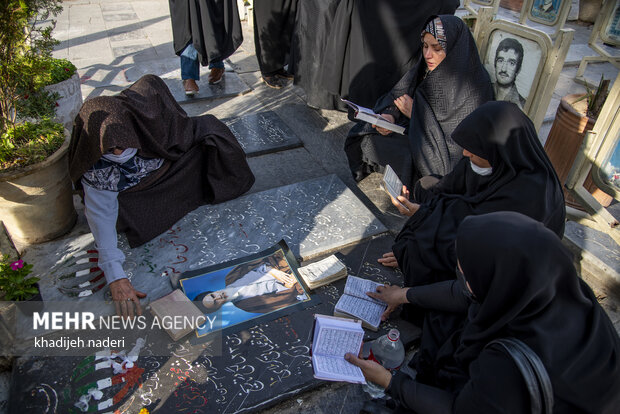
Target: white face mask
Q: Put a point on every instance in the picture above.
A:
(481, 170)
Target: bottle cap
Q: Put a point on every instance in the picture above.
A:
(393, 335)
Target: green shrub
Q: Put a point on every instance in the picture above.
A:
(59, 70)
(29, 143)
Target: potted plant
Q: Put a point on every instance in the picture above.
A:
(36, 202)
(575, 116)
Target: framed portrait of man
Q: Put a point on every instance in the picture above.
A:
(546, 11)
(513, 62)
(246, 291)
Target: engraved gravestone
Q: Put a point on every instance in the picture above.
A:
(313, 217)
(262, 133)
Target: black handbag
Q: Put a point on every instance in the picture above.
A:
(533, 371)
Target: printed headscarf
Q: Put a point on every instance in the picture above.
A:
(435, 28)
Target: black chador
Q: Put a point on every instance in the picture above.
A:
(212, 26)
(522, 180)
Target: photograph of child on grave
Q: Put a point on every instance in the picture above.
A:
(237, 294)
(546, 10)
(512, 61)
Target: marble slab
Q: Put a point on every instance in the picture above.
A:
(262, 133)
(231, 85)
(314, 217)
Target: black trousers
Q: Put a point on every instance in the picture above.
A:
(274, 22)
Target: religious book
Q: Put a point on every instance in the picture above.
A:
(391, 184)
(355, 303)
(175, 304)
(323, 272)
(368, 115)
(333, 338)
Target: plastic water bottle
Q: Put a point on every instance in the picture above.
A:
(388, 351)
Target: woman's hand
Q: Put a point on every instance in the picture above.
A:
(384, 131)
(392, 295)
(125, 298)
(404, 206)
(388, 260)
(404, 104)
(372, 371)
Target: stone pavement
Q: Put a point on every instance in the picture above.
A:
(114, 43)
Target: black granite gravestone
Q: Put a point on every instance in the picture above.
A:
(259, 366)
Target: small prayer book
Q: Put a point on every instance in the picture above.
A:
(391, 184)
(323, 272)
(355, 303)
(175, 304)
(368, 115)
(333, 338)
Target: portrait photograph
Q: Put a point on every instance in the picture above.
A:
(512, 62)
(243, 292)
(546, 11)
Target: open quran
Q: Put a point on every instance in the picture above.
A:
(333, 338)
(368, 115)
(355, 303)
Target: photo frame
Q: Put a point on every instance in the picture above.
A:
(539, 83)
(523, 75)
(546, 12)
(610, 31)
(246, 291)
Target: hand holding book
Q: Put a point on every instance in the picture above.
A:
(373, 371)
(384, 131)
(402, 203)
(392, 295)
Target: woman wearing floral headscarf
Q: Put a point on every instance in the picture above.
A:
(445, 86)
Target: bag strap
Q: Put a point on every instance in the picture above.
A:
(533, 371)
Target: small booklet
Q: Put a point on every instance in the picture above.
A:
(391, 184)
(333, 338)
(368, 115)
(355, 303)
(323, 272)
(175, 304)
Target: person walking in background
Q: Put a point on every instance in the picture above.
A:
(274, 22)
(205, 32)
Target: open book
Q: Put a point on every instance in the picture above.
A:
(355, 303)
(368, 115)
(391, 184)
(322, 272)
(333, 338)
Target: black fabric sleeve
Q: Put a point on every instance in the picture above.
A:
(418, 397)
(446, 296)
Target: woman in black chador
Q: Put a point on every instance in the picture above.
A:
(505, 168)
(445, 86)
(522, 286)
